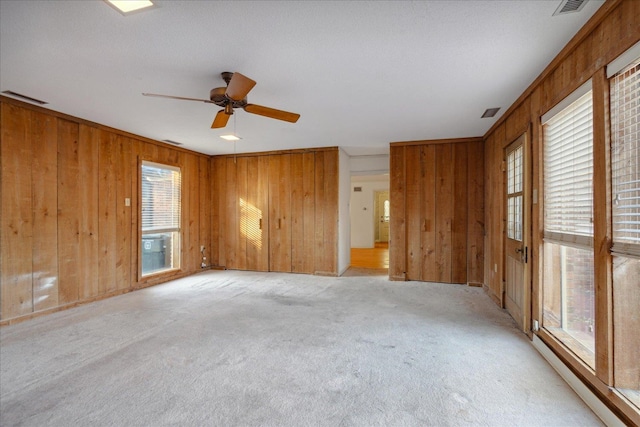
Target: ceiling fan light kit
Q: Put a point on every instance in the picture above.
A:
(235, 96)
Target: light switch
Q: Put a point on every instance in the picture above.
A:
(127, 201)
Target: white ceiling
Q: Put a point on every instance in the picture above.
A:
(361, 74)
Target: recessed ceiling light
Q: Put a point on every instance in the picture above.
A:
(230, 137)
(490, 112)
(128, 6)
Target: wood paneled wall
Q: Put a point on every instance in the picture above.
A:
(66, 232)
(437, 211)
(612, 30)
(276, 211)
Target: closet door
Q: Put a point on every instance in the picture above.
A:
(280, 212)
(326, 213)
(302, 212)
(255, 211)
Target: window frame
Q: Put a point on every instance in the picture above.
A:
(152, 276)
(564, 238)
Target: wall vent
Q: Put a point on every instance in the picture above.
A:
(168, 141)
(357, 189)
(25, 97)
(569, 6)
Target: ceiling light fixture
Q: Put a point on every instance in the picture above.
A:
(230, 137)
(126, 7)
(490, 112)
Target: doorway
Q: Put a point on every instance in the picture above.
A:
(381, 223)
(517, 295)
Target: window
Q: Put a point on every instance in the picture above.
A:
(624, 92)
(386, 211)
(514, 194)
(569, 302)
(161, 201)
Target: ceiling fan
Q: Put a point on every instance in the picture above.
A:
(235, 96)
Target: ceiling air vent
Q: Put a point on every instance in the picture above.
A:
(489, 112)
(569, 6)
(168, 141)
(24, 97)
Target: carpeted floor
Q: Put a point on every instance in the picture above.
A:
(225, 348)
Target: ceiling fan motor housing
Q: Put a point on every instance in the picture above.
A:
(218, 97)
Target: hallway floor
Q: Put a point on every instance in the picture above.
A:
(377, 257)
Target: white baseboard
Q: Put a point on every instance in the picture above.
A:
(599, 408)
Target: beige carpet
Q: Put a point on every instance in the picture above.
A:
(230, 348)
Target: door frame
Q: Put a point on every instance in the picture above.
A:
(376, 217)
(527, 176)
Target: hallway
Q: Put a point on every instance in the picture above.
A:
(377, 257)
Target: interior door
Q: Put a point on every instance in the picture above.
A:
(516, 251)
(382, 216)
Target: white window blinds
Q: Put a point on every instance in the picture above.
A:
(625, 159)
(161, 197)
(568, 173)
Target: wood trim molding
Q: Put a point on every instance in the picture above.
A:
(608, 395)
(269, 153)
(437, 141)
(26, 105)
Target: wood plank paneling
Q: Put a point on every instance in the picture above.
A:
(253, 215)
(397, 231)
(475, 213)
(123, 212)
(205, 208)
(192, 211)
(69, 211)
(73, 229)
(460, 214)
(431, 182)
(88, 196)
(134, 163)
(243, 212)
(16, 220)
(218, 210)
(330, 211)
(297, 214)
(414, 188)
(44, 180)
(428, 212)
(230, 224)
(262, 203)
(280, 212)
(319, 213)
(108, 226)
(308, 211)
(444, 211)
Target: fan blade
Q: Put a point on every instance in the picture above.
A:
(178, 97)
(272, 113)
(221, 120)
(239, 87)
